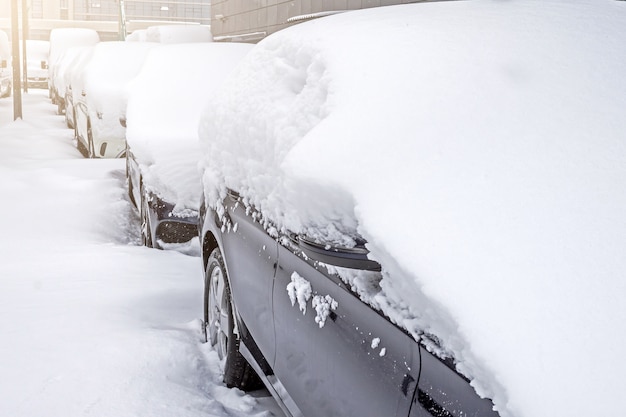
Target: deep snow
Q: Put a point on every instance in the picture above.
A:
(92, 323)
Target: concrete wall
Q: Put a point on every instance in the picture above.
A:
(257, 18)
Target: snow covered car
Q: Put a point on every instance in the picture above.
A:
(62, 39)
(37, 63)
(162, 135)
(102, 100)
(6, 76)
(474, 151)
(69, 80)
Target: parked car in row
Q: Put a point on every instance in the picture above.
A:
(37, 63)
(416, 210)
(6, 76)
(100, 95)
(69, 73)
(163, 149)
(62, 39)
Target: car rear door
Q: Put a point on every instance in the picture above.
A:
(341, 358)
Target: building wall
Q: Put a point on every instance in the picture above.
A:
(250, 20)
(103, 15)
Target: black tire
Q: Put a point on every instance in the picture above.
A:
(220, 326)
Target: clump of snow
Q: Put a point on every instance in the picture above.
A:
(165, 103)
(375, 342)
(299, 289)
(479, 148)
(323, 305)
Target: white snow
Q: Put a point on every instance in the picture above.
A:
(165, 102)
(61, 39)
(299, 289)
(323, 305)
(375, 342)
(110, 69)
(178, 33)
(91, 322)
(479, 148)
(36, 53)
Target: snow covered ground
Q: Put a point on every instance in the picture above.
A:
(91, 323)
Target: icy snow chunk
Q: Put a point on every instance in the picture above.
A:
(299, 289)
(382, 353)
(323, 306)
(375, 342)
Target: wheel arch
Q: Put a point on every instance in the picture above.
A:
(209, 242)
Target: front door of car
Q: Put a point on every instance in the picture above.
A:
(335, 355)
(250, 255)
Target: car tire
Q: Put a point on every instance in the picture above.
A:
(220, 326)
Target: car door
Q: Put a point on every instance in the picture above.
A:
(341, 358)
(250, 255)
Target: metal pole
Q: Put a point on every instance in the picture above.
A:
(122, 21)
(24, 37)
(15, 42)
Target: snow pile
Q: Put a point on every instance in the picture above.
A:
(178, 34)
(479, 148)
(93, 323)
(165, 103)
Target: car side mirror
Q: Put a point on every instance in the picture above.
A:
(44, 64)
(354, 258)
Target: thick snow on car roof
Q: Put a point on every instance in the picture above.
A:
(63, 38)
(480, 148)
(111, 67)
(178, 33)
(165, 103)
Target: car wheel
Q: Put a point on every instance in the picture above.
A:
(146, 230)
(220, 326)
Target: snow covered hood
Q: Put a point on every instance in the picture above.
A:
(165, 103)
(480, 148)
